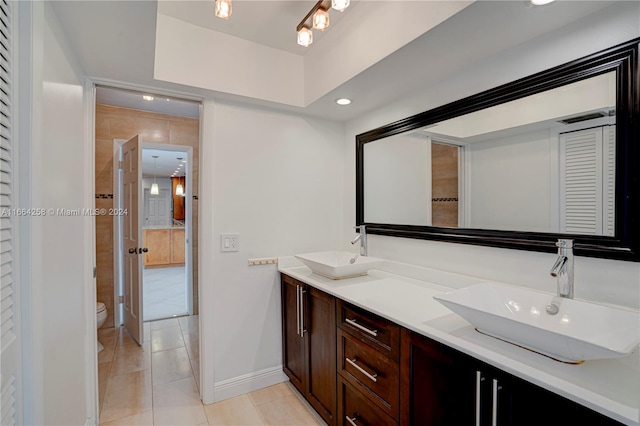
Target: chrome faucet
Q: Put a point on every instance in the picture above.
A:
(563, 268)
(362, 237)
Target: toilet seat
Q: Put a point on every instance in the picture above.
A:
(100, 307)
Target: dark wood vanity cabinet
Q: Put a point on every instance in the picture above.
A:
(356, 368)
(441, 386)
(309, 344)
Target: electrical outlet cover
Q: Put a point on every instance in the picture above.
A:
(229, 242)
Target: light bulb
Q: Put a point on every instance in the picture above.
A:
(154, 189)
(305, 37)
(179, 189)
(223, 9)
(340, 5)
(321, 20)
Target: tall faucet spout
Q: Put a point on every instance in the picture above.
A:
(563, 268)
(356, 239)
(362, 237)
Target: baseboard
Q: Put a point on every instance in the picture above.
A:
(235, 386)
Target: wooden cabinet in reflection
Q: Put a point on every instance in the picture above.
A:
(178, 200)
(166, 247)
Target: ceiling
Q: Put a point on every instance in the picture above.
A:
(166, 163)
(134, 100)
(124, 35)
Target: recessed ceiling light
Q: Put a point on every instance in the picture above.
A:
(147, 98)
(168, 99)
(540, 2)
(343, 101)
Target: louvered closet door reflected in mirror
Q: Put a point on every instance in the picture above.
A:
(587, 181)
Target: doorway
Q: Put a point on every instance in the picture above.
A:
(172, 125)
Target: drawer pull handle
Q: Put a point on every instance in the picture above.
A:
(362, 370)
(352, 421)
(353, 322)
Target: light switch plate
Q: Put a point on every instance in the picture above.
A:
(230, 242)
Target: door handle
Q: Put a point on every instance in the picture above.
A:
(132, 251)
(143, 250)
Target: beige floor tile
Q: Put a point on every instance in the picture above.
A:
(108, 332)
(171, 365)
(147, 331)
(235, 411)
(195, 367)
(103, 379)
(126, 395)
(270, 393)
(142, 419)
(109, 343)
(131, 358)
(165, 323)
(287, 411)
(166, 338)
(125, 339)
(178, 403)
(190, 324)
(192, 342)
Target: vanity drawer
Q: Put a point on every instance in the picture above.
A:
(355, 409)
(378, 332)
(373, 373)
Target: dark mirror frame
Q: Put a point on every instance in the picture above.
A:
(625, 244)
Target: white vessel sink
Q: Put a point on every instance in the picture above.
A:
(337, 264)
(579, 331)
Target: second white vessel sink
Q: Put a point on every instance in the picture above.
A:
(338, 264)
(579, 331)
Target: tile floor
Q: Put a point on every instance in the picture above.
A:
(156, 384)
(163, 293)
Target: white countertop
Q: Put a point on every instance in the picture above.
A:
(610, 387)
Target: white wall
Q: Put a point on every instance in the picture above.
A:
(397, 172)
(510, 183)
(275, 179)
(596, 279)
(57, 244)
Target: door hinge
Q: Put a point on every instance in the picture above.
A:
(120, 299)
(121, 165)
(95, 272)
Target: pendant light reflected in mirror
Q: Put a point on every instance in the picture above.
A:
(179, 187)
(154, 186)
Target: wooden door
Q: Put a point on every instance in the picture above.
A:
(292, 341)
(132, 237)
(320, 339)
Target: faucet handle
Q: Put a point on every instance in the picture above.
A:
(564, 243)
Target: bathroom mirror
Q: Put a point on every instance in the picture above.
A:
(519, 166)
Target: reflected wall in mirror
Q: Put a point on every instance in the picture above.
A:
(518, 166)
(541, 163)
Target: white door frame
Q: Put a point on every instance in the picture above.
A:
(117, 223)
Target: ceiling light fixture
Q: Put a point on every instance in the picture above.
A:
(343, 101)
(339, 5)
(540, 2)
(305, 36)
(223, 9)
(317, 18)
(179, 187)
(321, 19)
(147, 97)
(154, 186)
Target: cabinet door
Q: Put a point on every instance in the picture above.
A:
(292, 341)
(438, 385)
(319, 327)
(158, 241)
(177, 246)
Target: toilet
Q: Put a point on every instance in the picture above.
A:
(101, 317)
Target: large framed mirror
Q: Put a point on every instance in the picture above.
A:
(554, 155)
